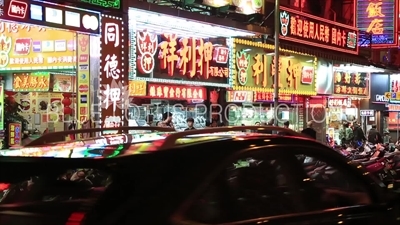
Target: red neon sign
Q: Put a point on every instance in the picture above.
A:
(315, 31)
(17, 9)
(184, 56)
(164, 91)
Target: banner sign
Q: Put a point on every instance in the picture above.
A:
(307, 29)
(183, 60)
(2, 105)
(351, 83)
(239, 96)
(39, 81)
(50, 14)
(113, 91)
(255, 70)
(394, 87)
(137, 88)
(27, 47)
(269, 97)
(176, 92)
(83, 78)
(15, 133)
(379, 18)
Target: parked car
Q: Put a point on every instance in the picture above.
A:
(228, 175)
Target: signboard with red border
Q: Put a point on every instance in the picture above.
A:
(170, 58)
(311, 30)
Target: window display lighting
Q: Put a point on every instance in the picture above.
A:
(144, 19)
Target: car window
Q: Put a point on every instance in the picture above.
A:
(68, 185)
(249, 187)
(330, 185)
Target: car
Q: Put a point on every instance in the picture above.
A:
(226, 175)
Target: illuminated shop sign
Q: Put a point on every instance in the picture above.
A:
(137, 88)
(112, 89)
(394, 87)
(31, 47)
(339, 102)
(379, 18)
(183, 59)
(255, 70)
(367, 112)
(269, 97)
(106, 4)
(15, 132)
(315, 31)
(239, 96)
(166, 91)
(53, 15)
(351, 83)
(39, 81)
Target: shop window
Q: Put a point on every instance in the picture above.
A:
(249, 188)
(330, 186)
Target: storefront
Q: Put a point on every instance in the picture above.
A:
(180, 68)
(43, 45)
(254, 72)
(391, 119)
(351, 84)
(378, 104)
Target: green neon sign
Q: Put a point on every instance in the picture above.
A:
(113, 4)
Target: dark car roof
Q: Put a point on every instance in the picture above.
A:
(117, 145)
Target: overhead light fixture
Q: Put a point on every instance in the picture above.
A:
(270, 53)
(309, 60)
(143, 18)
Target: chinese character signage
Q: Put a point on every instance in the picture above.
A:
(394, 87)
(255, 70)
(239, 96)
(269, 97)
(167, 91)
(14, 132)
(379, 18)
(83, 78)
(109, 4)
(27, 47)
(38, 81)
(53, 15)
(137, 88)
(114, 93)
(307, 29)
(339, 102)
(182, 59)
(351, 83)
(1, 105)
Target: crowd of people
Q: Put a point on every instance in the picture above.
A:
(353, 134)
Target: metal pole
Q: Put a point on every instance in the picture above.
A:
(276, 77)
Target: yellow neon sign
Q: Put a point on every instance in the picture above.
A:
(374, 10)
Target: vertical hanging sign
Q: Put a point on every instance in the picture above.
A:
(83, 79)
(2, 105)
(113, 90)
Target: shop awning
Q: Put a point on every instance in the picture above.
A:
(338, 57)
(225, 22)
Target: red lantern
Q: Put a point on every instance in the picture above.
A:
(67, 102)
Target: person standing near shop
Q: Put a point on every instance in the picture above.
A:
(190, 123)
(359, 136)
(346, 134)
(309, 131)
(374, 137)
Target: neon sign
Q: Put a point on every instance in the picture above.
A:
(165, 91)
(379, 18)
(112, 86)
(315, 31)
(111, 4)
(46, 14)
(185, 58)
